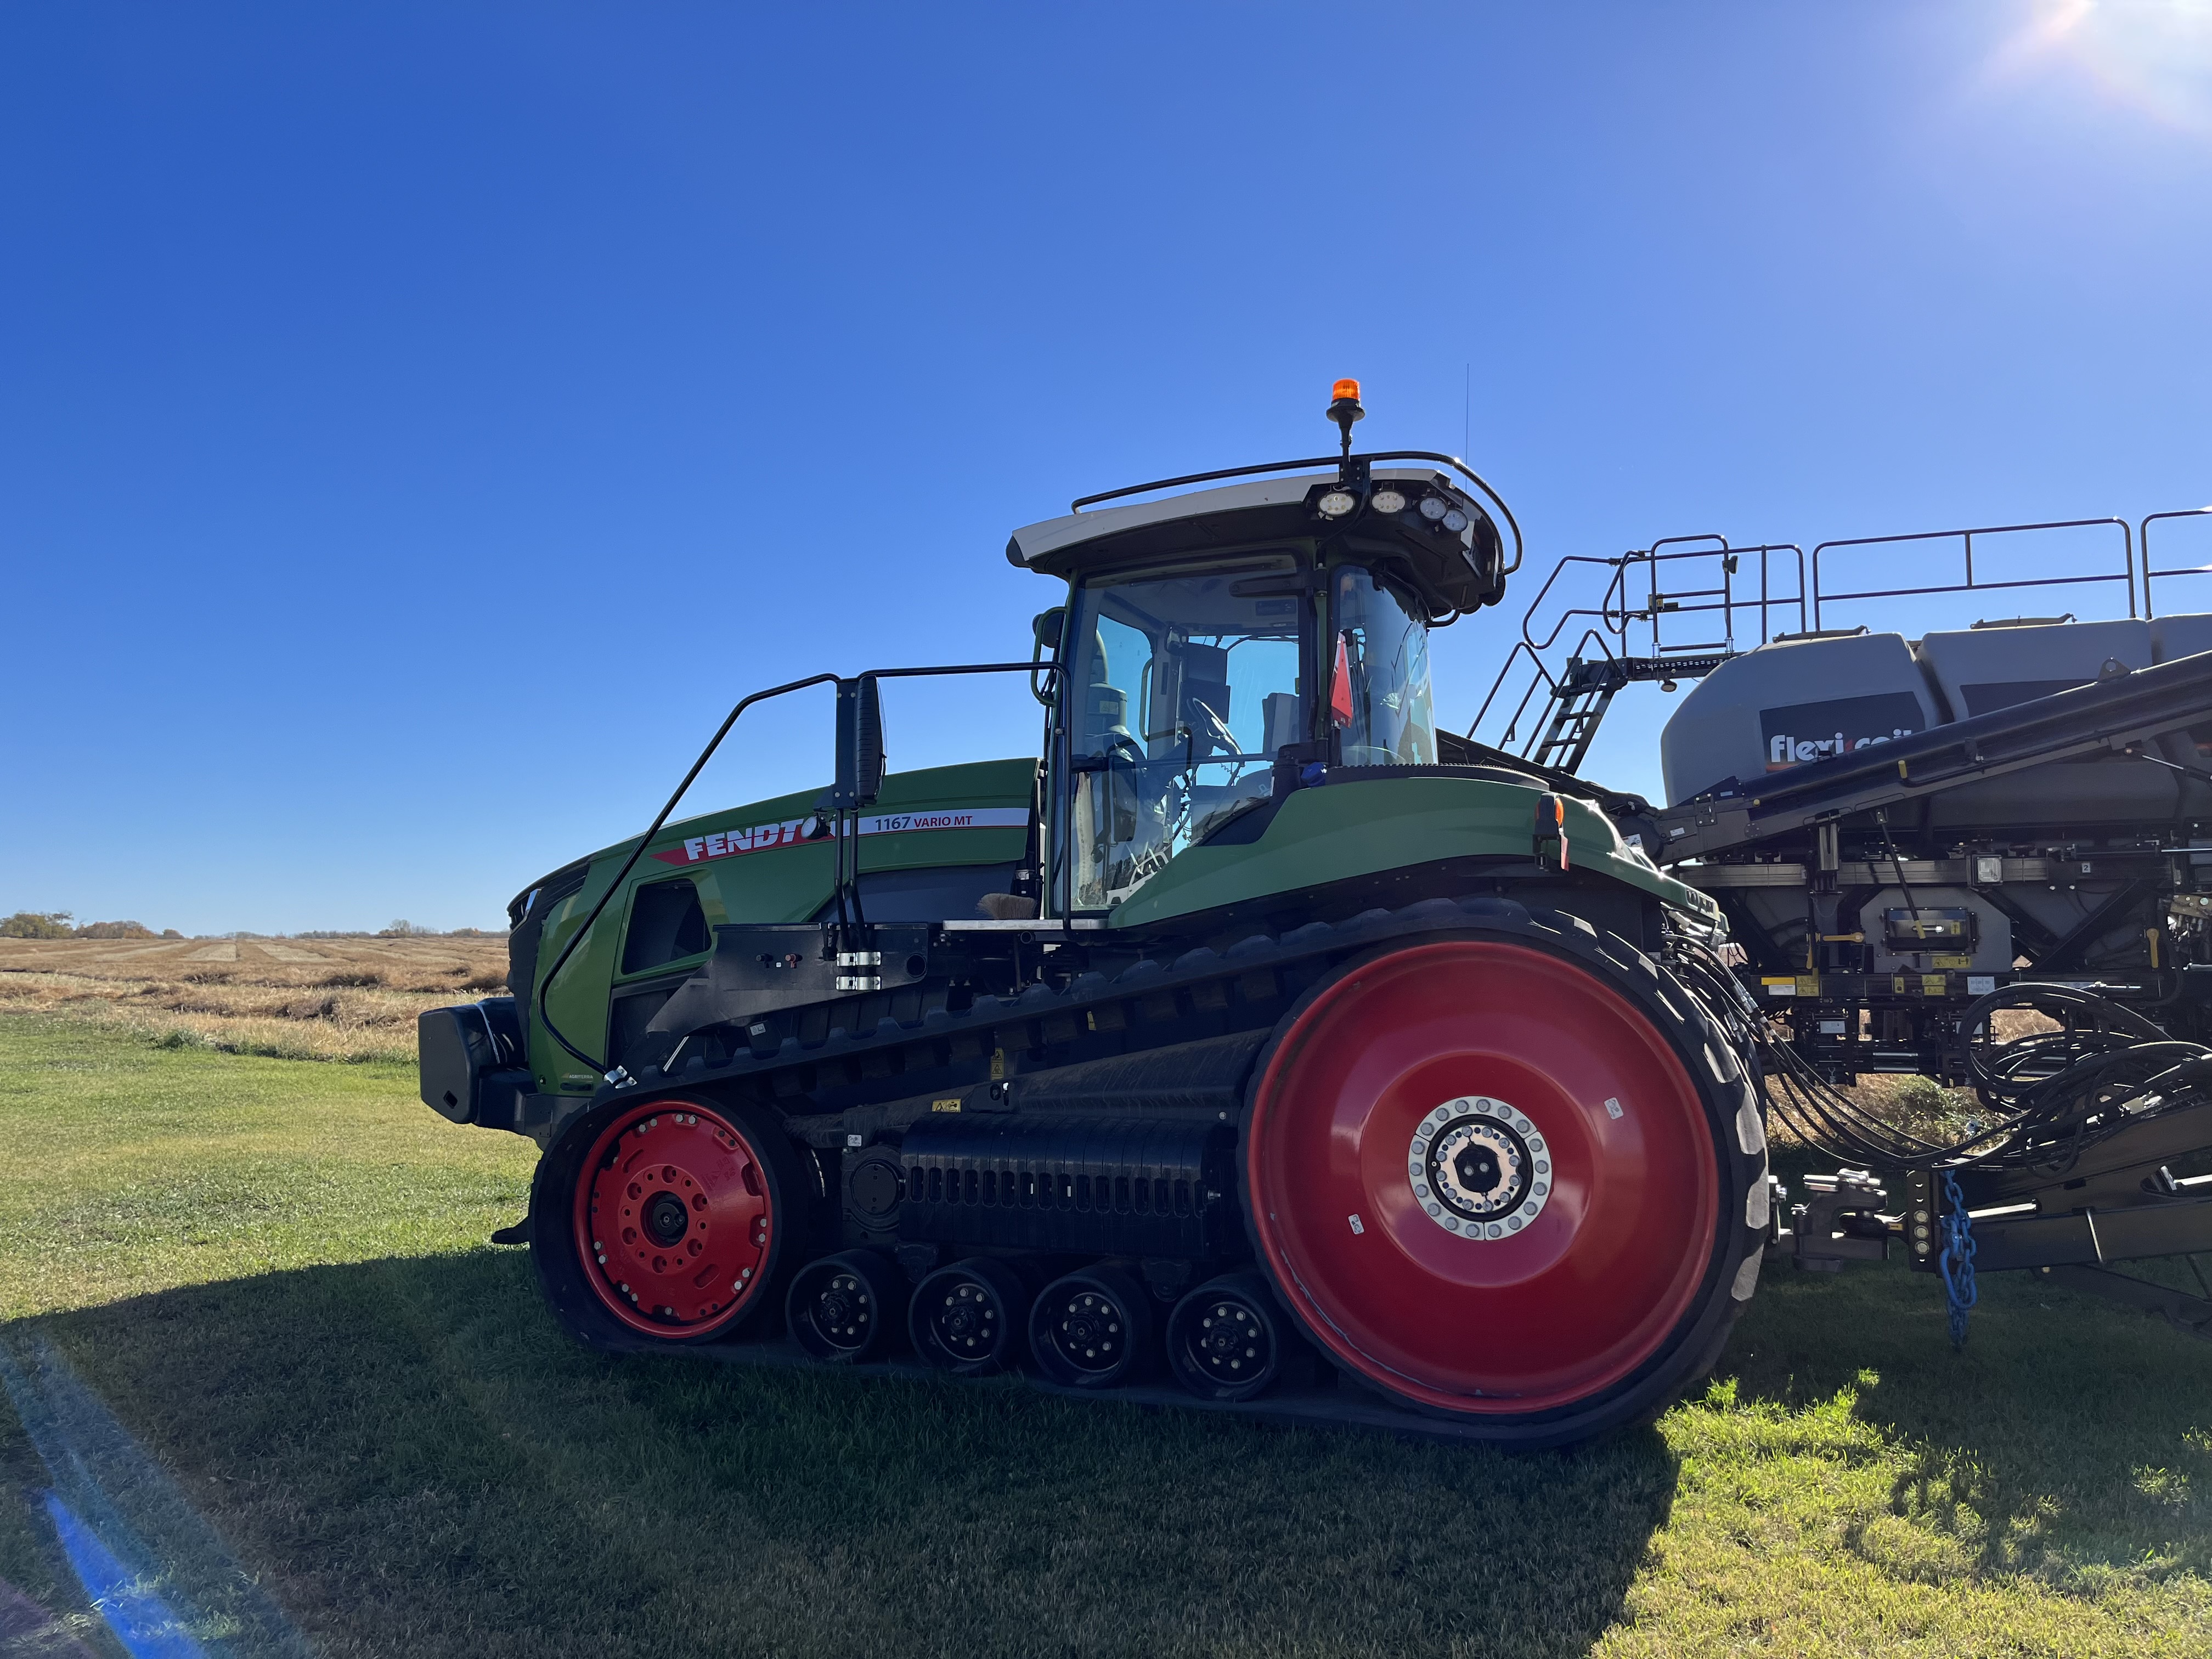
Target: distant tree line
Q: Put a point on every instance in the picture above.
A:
(61, 924)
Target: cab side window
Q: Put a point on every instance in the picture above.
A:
(666, 924)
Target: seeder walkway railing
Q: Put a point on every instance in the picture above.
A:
(1546, 704)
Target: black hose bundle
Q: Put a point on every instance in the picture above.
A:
(1811, 1109)
(2046, 1096)
(2055, 1092)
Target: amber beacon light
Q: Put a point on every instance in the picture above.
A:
(1343, 409)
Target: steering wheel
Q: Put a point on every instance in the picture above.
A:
(1218, 734)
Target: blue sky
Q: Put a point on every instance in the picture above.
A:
(417, 424)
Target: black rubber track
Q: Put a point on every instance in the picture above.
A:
(1313, 954)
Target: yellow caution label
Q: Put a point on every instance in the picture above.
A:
(1933, 985)
(1953, 962)
(1808, 985)
(1900, 985)
(945, 1105)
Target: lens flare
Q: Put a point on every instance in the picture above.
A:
(2154, 57)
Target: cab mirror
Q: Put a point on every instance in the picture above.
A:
(1045, 628)
(859, 745)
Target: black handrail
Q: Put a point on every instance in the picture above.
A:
(545, 985)
(1330, 461)
(1528, 616)
(1723, 598)
(1543, 677)
(1970, 586)
(2143, 541)
(1613, 614)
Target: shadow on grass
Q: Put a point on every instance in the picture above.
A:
(2070, 1439)
(416, 1461)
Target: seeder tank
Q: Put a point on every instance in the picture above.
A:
(1801, 699)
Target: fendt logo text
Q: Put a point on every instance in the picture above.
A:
(792, 832)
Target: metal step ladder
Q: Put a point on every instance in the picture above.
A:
(1586, 689)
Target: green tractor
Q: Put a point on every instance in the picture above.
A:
(1260, 1046)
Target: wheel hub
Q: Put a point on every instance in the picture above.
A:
(1090, 1331)
(1230, 1343)
(666, 1220)
(841, 1312)
(965, 1324)
(1479, 1167)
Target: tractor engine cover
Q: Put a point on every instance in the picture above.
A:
(1134, 1187)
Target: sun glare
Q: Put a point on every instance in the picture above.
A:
(2152, 56)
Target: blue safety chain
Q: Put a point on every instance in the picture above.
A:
(1957, 1261)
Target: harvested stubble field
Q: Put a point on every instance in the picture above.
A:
(323, 999)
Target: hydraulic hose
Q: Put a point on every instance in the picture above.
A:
(2047, 1096)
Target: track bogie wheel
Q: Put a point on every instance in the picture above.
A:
(1513, 1178)
(1227, 1339)
(666, 1221)
(1092, 1329)
(966, 1318)
(848, 1307)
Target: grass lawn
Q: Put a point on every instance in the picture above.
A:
(255, 1339)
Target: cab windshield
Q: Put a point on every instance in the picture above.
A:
(1379, 698)
(1186, 684)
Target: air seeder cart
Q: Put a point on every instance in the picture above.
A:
(1924, 847)
(1259, 1046)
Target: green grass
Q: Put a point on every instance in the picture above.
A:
(273, 1276)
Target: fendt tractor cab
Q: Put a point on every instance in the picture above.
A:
(1256, 1030)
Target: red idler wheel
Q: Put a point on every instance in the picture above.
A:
(1484, 1181)
(675, 1220)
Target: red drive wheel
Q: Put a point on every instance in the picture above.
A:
(674, 1216)
(1484, 1181)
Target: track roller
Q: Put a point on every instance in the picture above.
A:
(847, 1307)
(966, 1318)
(1226, 1339)
(1092, 1329)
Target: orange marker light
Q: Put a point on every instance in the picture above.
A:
(1345, 389)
